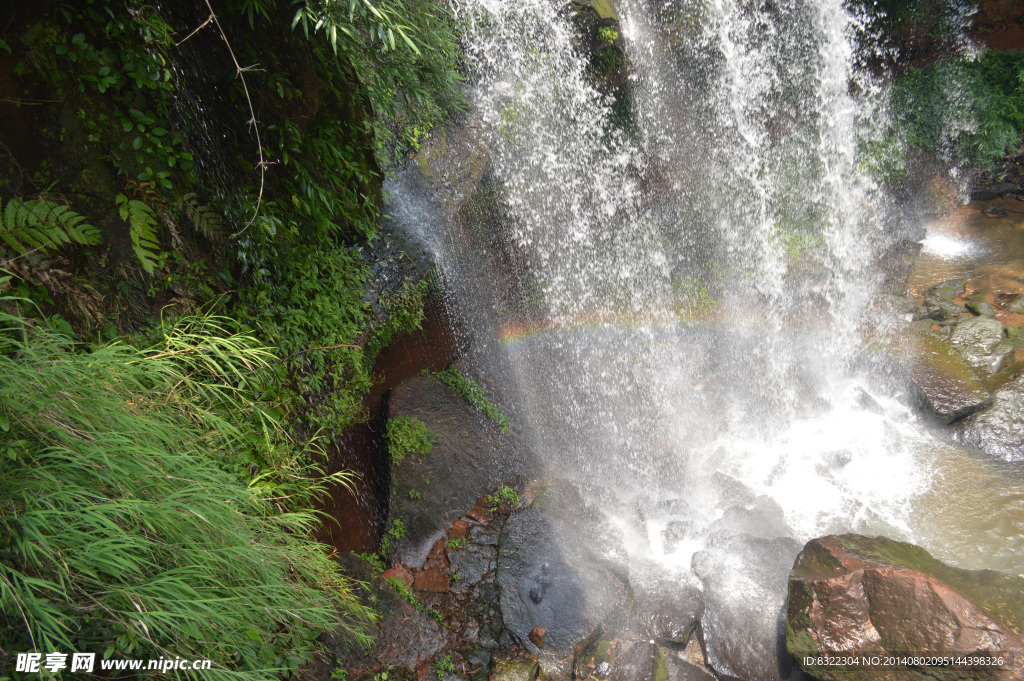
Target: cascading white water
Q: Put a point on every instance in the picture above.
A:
(736, 184)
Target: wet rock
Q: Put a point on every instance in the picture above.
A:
(537, 636)
(979, 306)
(948, 289)
(980, 333)
(1016, 304)
(512, 669)
(406, 638)
(561, 567)
(452, 162)
(744, 581)
(398, 572)
(642, 662)
(991, 191)
(470, 459)
(667, 606)
(470, 563)
(851, 593)
(994, 212)
(944, 381)
(938, 308)
(434, 580)
(898, 304)
(681, 670)
(979, 341)
(762, 517)
(999, 430)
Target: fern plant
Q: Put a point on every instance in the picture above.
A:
(43, 225)
(142, 220)
(205, 219)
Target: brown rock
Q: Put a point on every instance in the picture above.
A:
(537, 636)
(398, 572)
(460, 529)
(434, 580)
(850, 595)
(478, 512)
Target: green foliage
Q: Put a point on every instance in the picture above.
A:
(505, 497)
(990, 88)
(142, 222)
(310, 303)
(456, 543)
(406, 594)
(43, 225)
(414, 495)
(403, 312)
(607, 34)
(406, 435)
(395, 533)
(140, 505)
(471, 392)
(410, 597)
(444, 667)
(124, 54)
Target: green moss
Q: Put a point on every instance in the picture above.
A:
(406, 435)
(471, 392)
(660, 666)
(605, 9)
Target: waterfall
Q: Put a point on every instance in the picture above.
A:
(692, 304)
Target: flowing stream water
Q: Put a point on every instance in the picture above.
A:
(699, 281)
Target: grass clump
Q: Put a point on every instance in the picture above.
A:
(141, 497)
(471, 392)
(407, 435)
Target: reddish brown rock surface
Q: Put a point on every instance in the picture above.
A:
(851, 595)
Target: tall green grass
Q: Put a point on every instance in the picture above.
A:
(148, 506)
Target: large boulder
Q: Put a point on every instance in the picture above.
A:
(470, 459)
(946, 384)
(744, 581)
(851, 594)
(562, 566)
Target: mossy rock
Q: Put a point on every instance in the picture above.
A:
(851, 595)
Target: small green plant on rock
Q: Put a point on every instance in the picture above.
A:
(406, 435)
(471, 392)
(607, 34)
(504, 497)
(456, 543)
(444, 666)
(414, 495)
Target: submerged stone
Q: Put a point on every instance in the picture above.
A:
(850, 594)
(945, 382)
(948, 289)
(979, 306)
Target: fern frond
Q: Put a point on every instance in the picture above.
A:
(142, 221)
(43, 225)
(204, 218)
